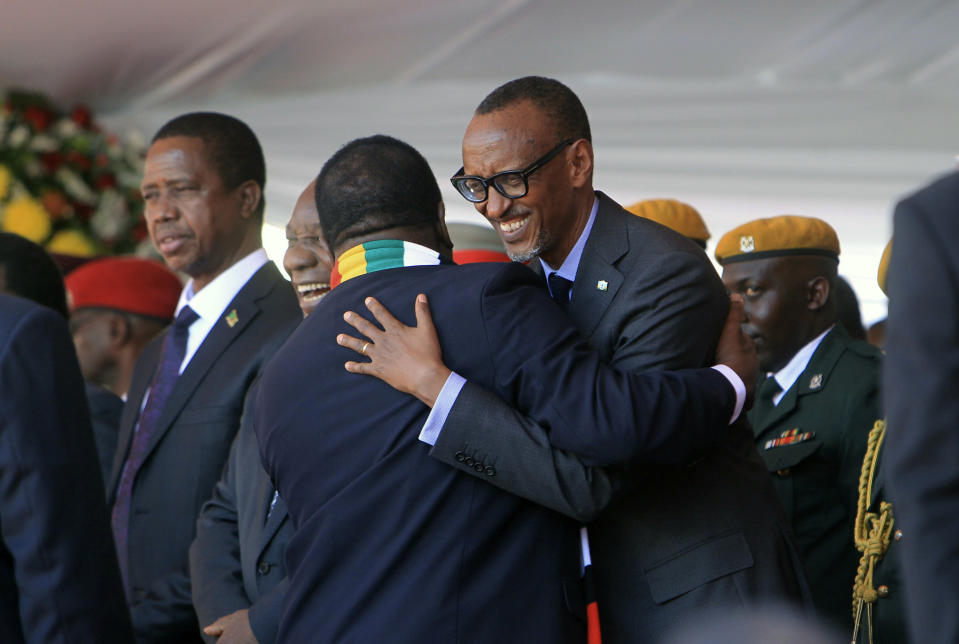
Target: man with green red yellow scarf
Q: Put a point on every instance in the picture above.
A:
(389, 544)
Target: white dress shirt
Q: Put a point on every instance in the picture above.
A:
(788, 375)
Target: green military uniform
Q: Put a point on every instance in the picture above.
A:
(822, 424)
(884, 589)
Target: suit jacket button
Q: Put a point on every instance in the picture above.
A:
(883, 591)
(898, 535)
(783, 472)
(460, 456)
(490, 470)
(263, 568)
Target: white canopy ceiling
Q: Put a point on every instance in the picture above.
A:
(744, 108)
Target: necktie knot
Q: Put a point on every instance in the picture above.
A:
(768, 389)
(185, 318)
(559, 288)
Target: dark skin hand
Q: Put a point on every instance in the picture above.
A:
(232, 629)
(410, 359)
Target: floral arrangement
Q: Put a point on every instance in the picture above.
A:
(65, 183)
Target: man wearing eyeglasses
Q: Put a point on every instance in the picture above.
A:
(666, 542)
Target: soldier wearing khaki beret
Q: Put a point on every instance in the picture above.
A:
(819, 397)
(679, 216)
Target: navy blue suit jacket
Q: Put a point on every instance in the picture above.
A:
(921, 395)
(390, 544)
(59, 579)
(188, 451)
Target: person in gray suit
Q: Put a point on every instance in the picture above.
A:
(666, 541)
(921, 396)
(237, 571)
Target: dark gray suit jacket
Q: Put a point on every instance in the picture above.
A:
(921, 395)
(191, 445)
(236, 560)
(680, 538)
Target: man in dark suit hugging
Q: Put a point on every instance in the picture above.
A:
(389, 544)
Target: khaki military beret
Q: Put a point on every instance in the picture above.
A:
(778, 237)
(884, 266)
(681, 217)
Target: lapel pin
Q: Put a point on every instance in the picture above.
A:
(232, 318)
(816, 381)
(602, 285)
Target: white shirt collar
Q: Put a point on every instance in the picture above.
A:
(788, 375)
(571, 264)
(213, 299)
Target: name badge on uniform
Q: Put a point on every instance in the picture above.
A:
(790, 437)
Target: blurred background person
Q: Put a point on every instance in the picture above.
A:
(847, 309)
(476, 243)
(117, 305)
(921, 392)
(679, 216)
(237, 567)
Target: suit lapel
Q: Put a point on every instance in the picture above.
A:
(142, 375)
(814, 378)
(216, 342)
(597, 278)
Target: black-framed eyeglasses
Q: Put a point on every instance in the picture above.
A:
(512, 184)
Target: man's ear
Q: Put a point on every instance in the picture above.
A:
(580, 159)
(250, 197)
(817, 292)
(442, 232)
(119, 328)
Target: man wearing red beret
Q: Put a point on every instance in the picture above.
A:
(117, 305)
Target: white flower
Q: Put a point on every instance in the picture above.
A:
(74, 186)
(18, 136)
(111, 217)
(44, 143)
(66, 128)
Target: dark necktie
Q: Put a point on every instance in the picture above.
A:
(559, 288)
(764, 397)
(168, 369)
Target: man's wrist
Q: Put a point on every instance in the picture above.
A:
(738, 386)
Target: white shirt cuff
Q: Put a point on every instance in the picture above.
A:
(442, 407)
(738, 385)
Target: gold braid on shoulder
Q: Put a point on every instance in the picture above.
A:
(872, 531)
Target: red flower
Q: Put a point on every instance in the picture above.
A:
(55, 203)
(105, 181)
(78, 160)
(38, 117)
(81, 116)
(51, 161)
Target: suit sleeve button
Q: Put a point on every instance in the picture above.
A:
(263, 568)
(460, 456)
(478, 467)
(490, 470)
(468, 461)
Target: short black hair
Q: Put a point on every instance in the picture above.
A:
(233, 148)
(551, 97)
(31, 273)
(372, 184)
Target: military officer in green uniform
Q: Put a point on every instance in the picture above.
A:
(820, 395)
